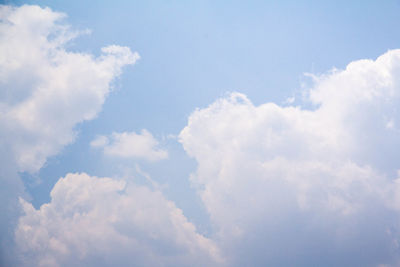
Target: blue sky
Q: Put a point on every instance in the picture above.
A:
(193, 53)
(311, 129)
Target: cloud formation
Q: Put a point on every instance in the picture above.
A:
(94, 221)
(131, 145)
(291, 186)
(45, 91)
(283, 186)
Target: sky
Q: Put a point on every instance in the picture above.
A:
(199, 133)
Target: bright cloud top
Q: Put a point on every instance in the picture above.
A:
(94, 221)
(46, 90)
(288, 186)
(131, 145)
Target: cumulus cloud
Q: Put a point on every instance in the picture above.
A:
(291, 186)
(45, 91)
(94, 221)
(131, 145)
(283, 185)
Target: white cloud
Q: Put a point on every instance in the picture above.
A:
(99, 141)
(283, 185)
(289, 186)
(131, 145)
(94, 221)
(45, 89)
(45, 92)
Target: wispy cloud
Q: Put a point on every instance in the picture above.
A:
(131, 145)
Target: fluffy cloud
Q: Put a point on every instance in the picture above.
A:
(131, 145)
(45, 89)
(46, 92)
(94, 221)
(283, 186)
(292, 186)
